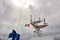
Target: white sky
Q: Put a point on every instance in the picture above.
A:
(13, 10)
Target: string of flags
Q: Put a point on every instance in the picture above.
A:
(27, 25)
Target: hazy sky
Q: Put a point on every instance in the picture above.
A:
(14, 11)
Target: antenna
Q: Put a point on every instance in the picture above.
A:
(39, 18)
(30, 18)
(44, 21)
(34, 18)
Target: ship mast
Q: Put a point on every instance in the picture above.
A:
(36, 26)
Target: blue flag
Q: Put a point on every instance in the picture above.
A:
(14, 35)
(18, 37)
(10, 35)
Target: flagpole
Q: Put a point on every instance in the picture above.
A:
(19, 23)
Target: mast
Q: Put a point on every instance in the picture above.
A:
(30, 18)
(37, 27)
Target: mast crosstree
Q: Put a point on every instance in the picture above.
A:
(36, 25)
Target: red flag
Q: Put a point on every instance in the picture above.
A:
(28, 25)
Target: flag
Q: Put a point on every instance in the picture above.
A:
(28, 25)
(18, 37)
(10, 35)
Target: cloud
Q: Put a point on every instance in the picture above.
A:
(10, 16)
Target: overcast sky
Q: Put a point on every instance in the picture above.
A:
(14, 11)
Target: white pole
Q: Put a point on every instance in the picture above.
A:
(19, 23)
